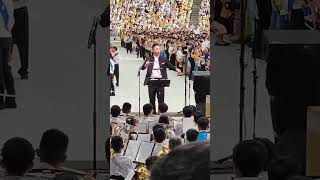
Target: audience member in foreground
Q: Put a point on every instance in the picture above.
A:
(17, 158)
(249, 158)
(52, 150)
(187, 162)
(283, 168)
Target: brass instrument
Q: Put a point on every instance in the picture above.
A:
(163, 151)
(142, 172)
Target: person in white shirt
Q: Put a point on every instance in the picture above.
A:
(120, 165)
(115, 56)
(115, 115)
(6, 42)
(156, 67)
(20, 34)
(147, 114)
(17, 158)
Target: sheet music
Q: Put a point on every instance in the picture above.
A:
(142, 128)
(132, 149)
(156, 149)
(130, 175)
(144, 137)
(145, 151)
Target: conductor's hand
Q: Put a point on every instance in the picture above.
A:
(178, 70)
(147, 63)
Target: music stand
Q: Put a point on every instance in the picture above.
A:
(160, 82)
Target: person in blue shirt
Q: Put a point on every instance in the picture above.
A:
(203, 126)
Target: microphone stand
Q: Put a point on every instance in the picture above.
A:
(242, 69)
(255, 78)
(92, 42)
(185, 82)
(139, 75)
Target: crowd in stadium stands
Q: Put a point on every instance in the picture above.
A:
(204, 15)
(150, 14)
(169, 132)
(269, 14)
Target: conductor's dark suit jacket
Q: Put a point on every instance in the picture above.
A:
(163, 63)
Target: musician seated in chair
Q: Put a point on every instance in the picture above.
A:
(115, 115)
(156, 67)
(147, 114)
(203, 126)
(17, 158)
(120, 165)
(164, 119)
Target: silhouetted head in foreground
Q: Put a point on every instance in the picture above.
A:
(17, 156)
(249, 158)
(187, 162)
(53, 147)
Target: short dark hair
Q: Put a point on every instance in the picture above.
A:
(151, 161)
(154, 45)
(159, 135)
(117, 143)
(115, 47)
(187, 111)
(131, 120)
(163, 107)
(157, 126)
(126, 107)
(193, 108)
(283, 167)
(115, 111)
(164, 119)
(174, 142)
(271, 149)
(177, 166)
(17, 156)
(196, 116)
(203, 123)
(53, 145)
(147, 109)
(249, 157)
(192, 135)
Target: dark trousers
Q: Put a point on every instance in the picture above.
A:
(111, 83)
(20, 34)
(129, 47)
(116, 72)
(153, 92)
(141, 49)
(6, 78)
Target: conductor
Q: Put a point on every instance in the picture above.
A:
(156, 66)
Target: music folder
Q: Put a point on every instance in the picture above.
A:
(144, 152)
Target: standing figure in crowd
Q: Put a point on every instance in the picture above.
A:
(6, 42)
(20, 34)
(115, 56)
